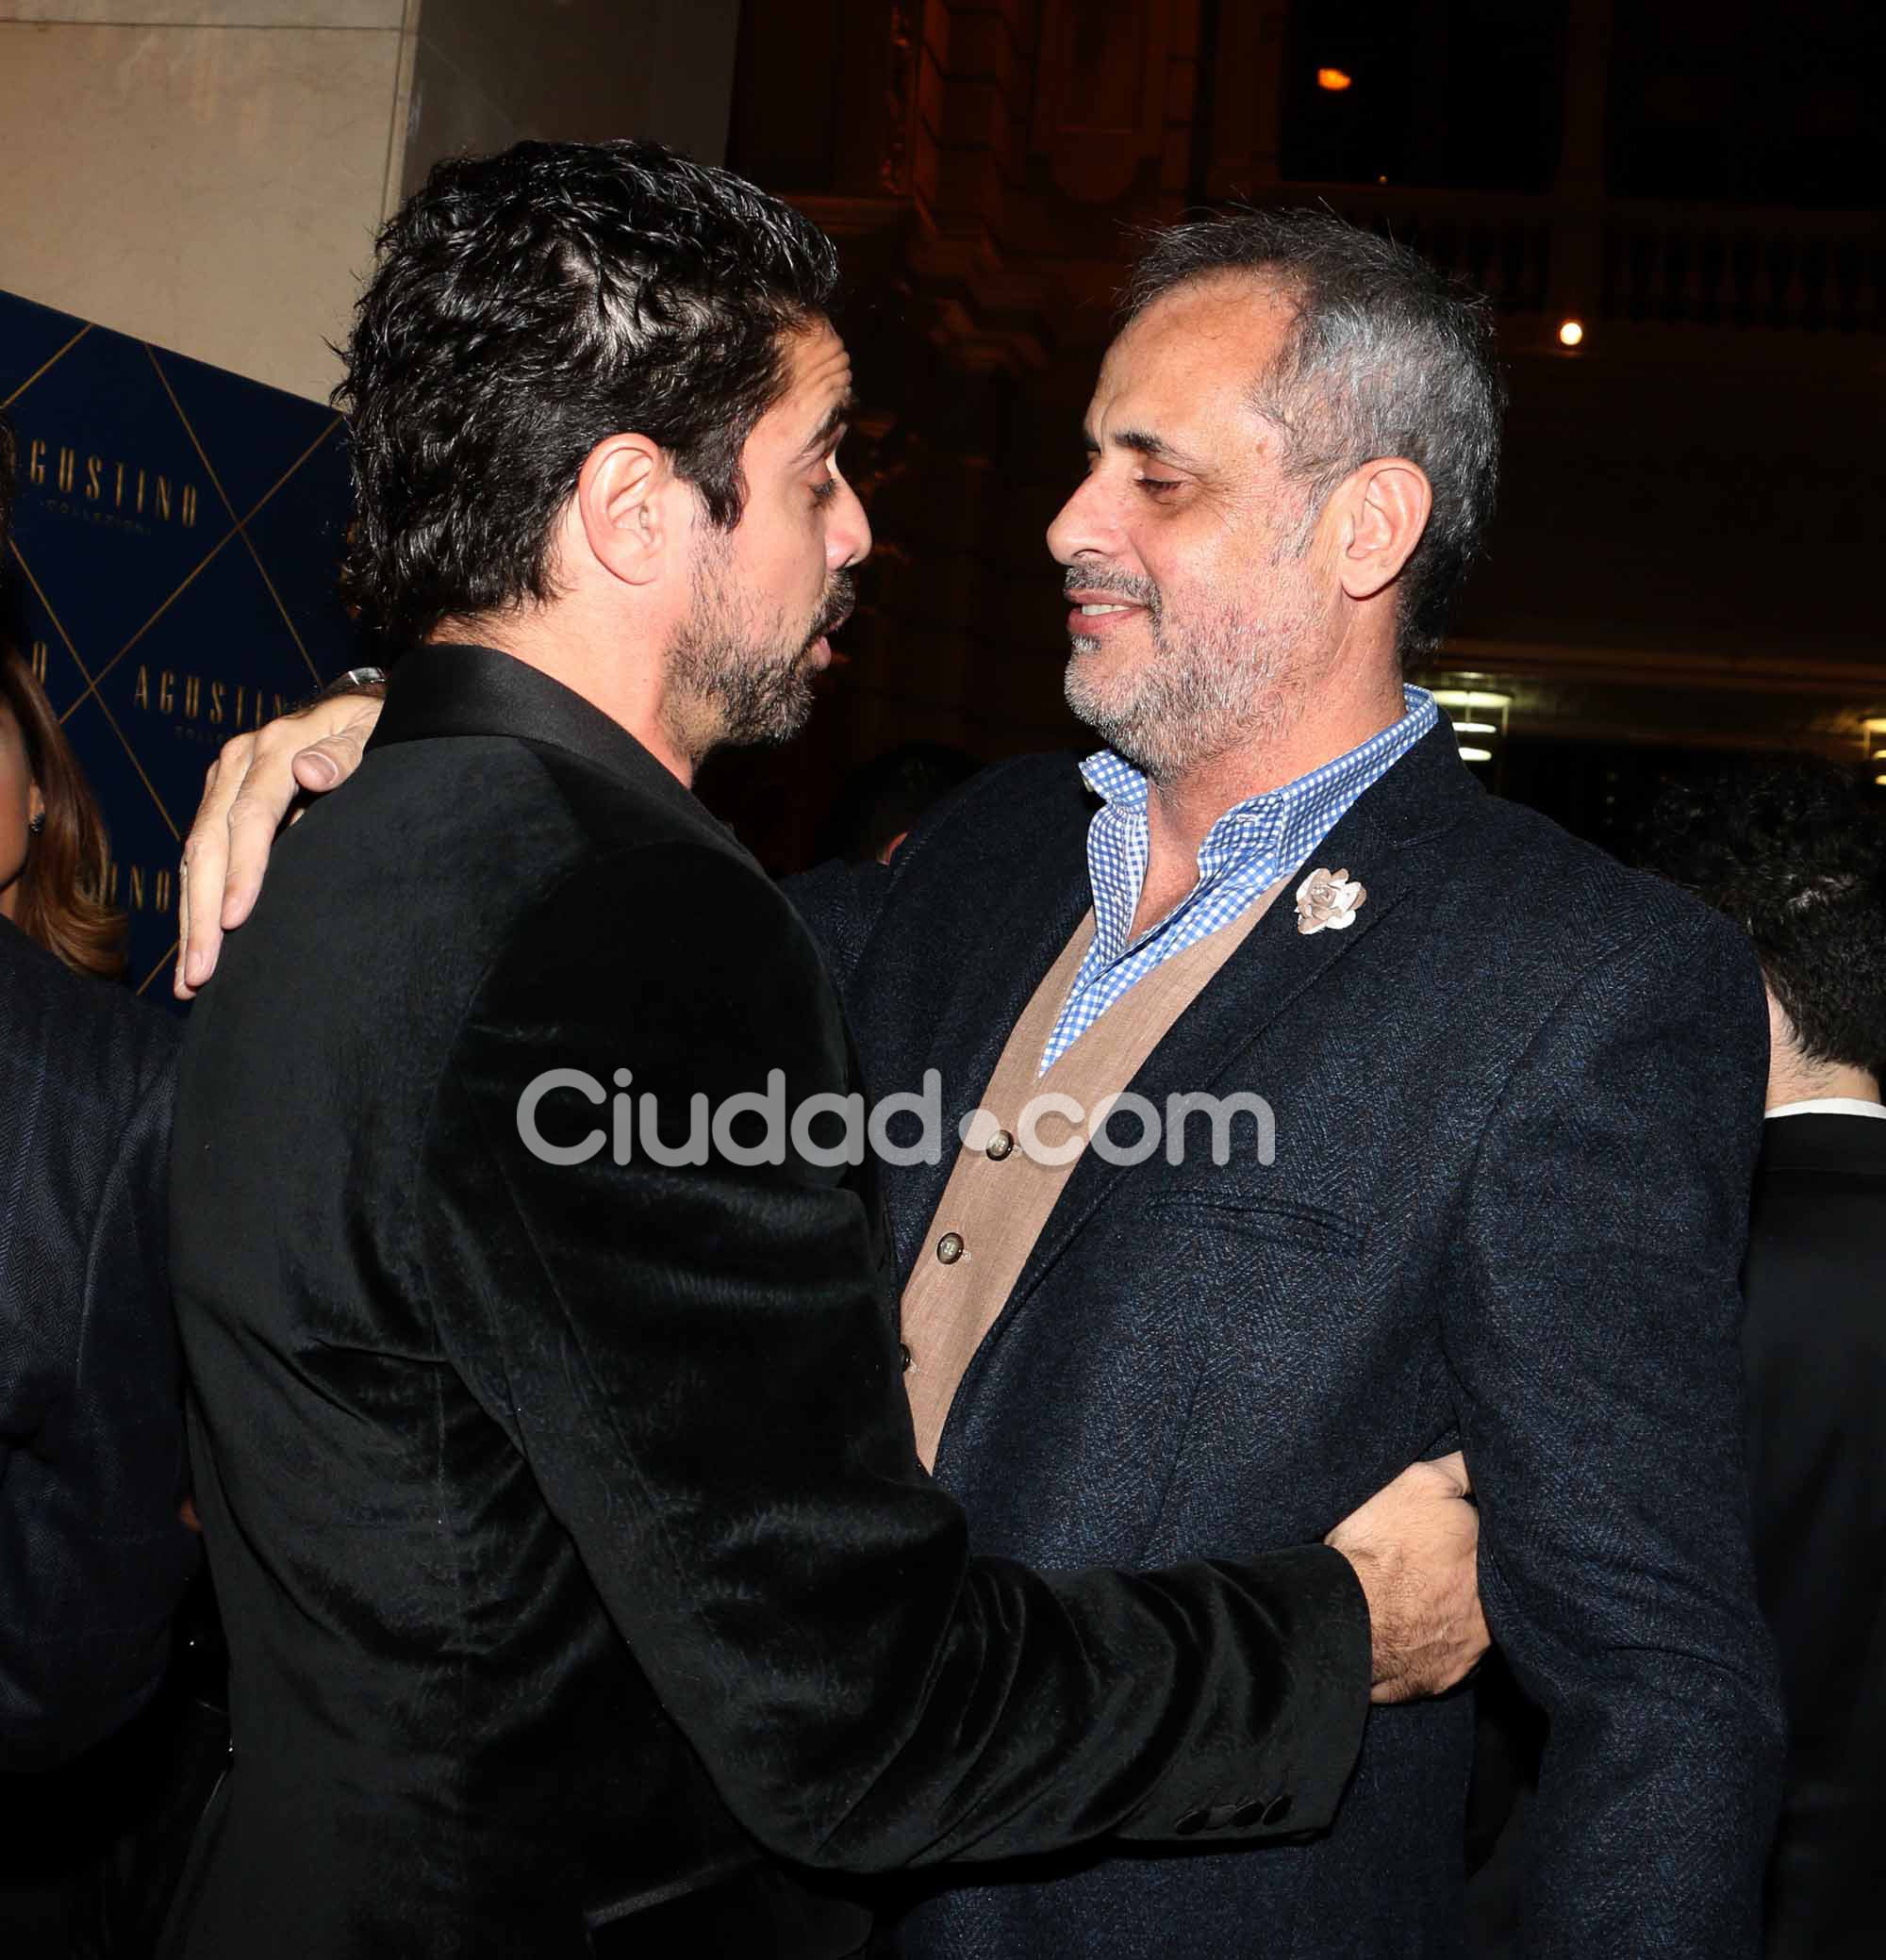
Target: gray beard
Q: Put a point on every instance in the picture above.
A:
(1193, 703)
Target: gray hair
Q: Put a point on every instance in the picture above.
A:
(1387, 358)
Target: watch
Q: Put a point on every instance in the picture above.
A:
(356, 679)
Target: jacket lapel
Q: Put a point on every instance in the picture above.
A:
(1422, 797)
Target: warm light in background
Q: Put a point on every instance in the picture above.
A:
(1334, 80)
(1571, 332)
(1477, 712)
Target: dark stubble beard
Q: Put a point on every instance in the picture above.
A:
(737, 674)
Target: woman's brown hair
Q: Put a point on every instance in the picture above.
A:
(61, 890)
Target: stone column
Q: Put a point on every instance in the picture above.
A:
(204, 173)
(487, 72)
(209, 175)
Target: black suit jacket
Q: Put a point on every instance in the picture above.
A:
(92, 1558)
(565, 1517)
(1815, 1343)
(1516, 1108)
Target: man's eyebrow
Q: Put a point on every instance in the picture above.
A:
(1155, 448)
(837, 416)
(1142, 442)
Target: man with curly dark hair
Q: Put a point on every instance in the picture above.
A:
(1795, 853)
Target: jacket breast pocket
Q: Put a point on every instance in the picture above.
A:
(1261, 1271)
(1237, 1210)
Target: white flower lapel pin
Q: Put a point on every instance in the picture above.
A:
(1328, 899)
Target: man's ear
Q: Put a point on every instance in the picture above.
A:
(1386, 505)
(627, 506)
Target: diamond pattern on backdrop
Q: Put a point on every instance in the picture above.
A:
(176, 536)
(224, 663)
(33, 340)
(114, 506)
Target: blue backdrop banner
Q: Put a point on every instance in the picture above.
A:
(178, 532)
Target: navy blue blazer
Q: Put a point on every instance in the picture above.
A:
(92, 1558)
(1517, 1105)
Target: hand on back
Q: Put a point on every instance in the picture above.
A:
(246, 796)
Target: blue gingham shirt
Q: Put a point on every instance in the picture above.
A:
(1250, 847)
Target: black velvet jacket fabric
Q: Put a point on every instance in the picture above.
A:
(1517, 1104)
(580, 1579)
(92, 1557)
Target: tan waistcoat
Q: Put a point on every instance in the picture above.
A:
(999, 1194)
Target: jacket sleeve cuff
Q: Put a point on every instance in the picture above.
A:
(1284, 1777)
(1336, 1670)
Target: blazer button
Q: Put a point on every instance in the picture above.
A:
(903, 1354)
(950, 1247)
(1191, 1823)
(999, 1145)
(1277, 1810)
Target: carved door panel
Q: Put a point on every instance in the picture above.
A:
(1100, 93)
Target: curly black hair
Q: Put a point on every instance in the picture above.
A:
(523, 308)
(1793, 853)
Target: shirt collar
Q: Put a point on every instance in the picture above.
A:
(1285, 823)
(1827, 1105)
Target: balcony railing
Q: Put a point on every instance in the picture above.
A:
(1673, 264)
(1685, 264)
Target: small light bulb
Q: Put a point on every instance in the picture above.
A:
(1571, 332)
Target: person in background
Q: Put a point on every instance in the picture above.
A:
(53, 851)
(94, 1557)
(879, 803)
(1793, 855)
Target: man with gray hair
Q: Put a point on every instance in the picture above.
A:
(1516, 1098)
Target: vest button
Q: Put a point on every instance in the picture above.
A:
(1001, 1145)
(903, 1354)
(950, 1247)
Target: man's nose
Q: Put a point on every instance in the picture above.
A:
(847, 531)
(1085, 523)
